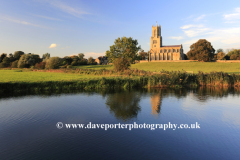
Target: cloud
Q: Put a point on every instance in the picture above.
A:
(49, 18)
(177, 38)
(199, 18)
(11, 19)
(194, 30)
(94, 54)
(53, 45)
(191, 26)
(77, 12)
(233, 16)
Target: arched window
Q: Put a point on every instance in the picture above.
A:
(173, 50)
(155, 33)
(177, 50)
(169, 50)
(160, 51)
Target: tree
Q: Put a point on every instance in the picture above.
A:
(18, 54)
(124, 47)
(81, 56)
(90, 60)
(121, 64)
(220, 50)
(142, 54)
(53, 63)
(28, 60)
(202, 50)
(234, 52)
(46, 56)
(220, 55)
(233, 57)
(3, 55)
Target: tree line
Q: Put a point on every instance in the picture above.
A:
(22, 60)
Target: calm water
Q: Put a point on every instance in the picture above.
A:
(28, 125)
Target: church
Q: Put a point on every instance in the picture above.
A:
(158, 52)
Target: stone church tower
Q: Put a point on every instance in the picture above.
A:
(159, 52)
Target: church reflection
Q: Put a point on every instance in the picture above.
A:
(156, 102)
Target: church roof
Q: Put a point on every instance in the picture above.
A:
(172, 46)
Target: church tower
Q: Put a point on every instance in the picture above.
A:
(156, 39)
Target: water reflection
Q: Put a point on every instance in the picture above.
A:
(124, 105)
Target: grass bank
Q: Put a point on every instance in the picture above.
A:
(191, 67)
(15, 80)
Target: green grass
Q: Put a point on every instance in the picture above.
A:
(205, 67)
(95, 67)
(31, 76)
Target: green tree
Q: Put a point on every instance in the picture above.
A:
(220, 55)
(234, 52)
(28, 60)
(3, 55)
(18, 54)
(46, 56)
(124, 47)
(81, 56)
(90, 60)
(53, 63)
(143, 54)
(233, 57)
(202, 50)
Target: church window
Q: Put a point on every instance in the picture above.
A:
(154, 41)
(173, 50)
(154, 45)
(165, 50)
(160, 51)
(177, 50)
(169, 50)
(155, 33)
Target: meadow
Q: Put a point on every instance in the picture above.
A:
(31, 76)
(191, 67)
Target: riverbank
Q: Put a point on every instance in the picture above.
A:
(97, 79)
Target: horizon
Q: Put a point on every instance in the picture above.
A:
(65, 28)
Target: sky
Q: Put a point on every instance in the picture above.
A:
(68, 27)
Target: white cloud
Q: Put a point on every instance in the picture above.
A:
(11, 19)
(177, 38)
(191, 26)
(199, 18)
(93, 54)
(233, 16)
(49, 18)
(77, 12)
(53, 45)
(194, 30)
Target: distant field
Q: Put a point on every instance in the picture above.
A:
(178, 66)
(189, 66)
(30, 76)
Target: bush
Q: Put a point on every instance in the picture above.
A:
(40, 65)
(53, 63)
(121, 64)
(233, 57)
(3, 65)
(14, 64)
(74, 63)
(28, 60)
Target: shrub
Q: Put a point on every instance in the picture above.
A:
(3, 65)
(220, 56)
(28, 60)
(40, 65)
(90, 60)
(14, 64)
(233, 57)
(53, 63)
(74, 63)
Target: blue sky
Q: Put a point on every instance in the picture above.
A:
(68, 27)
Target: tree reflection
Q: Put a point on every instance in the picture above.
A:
(124, 105)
